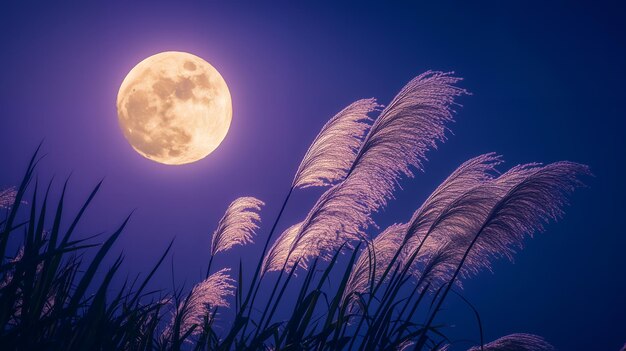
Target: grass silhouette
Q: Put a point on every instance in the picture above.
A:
(52, 298)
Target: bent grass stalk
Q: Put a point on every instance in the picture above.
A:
(255, 276)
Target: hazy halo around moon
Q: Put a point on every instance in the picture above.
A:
(174, 108)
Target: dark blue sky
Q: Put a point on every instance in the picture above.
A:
(548, 81)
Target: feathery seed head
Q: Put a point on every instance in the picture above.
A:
(398, 140)
(206, 295)
(516, 342)
(238, 225)
(331, 154)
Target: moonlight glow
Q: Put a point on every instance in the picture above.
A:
(174, 108)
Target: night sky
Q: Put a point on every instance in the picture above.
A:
(547, 84)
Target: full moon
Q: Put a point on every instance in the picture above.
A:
(174, 108)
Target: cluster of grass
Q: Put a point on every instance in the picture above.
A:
(354, 292)
(51, 298)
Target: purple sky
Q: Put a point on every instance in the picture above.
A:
(546, 86)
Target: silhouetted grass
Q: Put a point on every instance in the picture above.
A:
(355, 291)
(52, 298)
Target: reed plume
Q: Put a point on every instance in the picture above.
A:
(448, 235)
(279, 252)
(536, 194)
(238, 225)
(471, 173)
(399, 138)
(413, 122)
(525, 199)
(373, 260)
(536, 199)
(8, 275)
(408, 237)
(337, 217)
(516, 342)
(333, 151)
(7, 197)
(441, 230)
(406, 345)
(204, 297)
(327, 161)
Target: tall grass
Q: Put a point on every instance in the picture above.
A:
(350, 289)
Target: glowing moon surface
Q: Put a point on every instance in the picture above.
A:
(174, 108)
